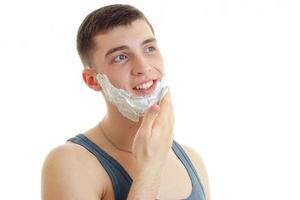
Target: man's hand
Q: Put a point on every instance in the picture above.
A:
(154, 138)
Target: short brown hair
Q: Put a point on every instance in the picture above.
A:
(101, 21)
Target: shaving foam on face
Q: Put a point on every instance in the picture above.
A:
(130, 105)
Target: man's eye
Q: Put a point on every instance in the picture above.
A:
(120, 58)
(150, 50)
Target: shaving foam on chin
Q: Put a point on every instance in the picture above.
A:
(130, 105)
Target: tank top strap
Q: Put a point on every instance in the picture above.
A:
(197, 187)
(121, 181)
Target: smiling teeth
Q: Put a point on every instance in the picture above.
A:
(144, 86)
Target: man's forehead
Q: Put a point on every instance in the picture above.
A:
(130, 35)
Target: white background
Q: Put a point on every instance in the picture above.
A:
(233, 67)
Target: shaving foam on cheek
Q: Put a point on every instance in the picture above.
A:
(129, 105)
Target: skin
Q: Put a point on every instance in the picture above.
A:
(152, 162)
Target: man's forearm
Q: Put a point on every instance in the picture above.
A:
(145, 185)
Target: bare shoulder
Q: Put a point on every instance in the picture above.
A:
(69, 172)
(200, 167)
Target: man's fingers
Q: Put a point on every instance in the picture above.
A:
(165, 107)
(150, 116)
(166, 99)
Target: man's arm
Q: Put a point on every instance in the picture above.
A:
(65, 175)
(200, 168)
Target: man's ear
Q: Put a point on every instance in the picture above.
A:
(89, 78)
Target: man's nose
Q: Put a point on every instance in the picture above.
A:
(140, 66)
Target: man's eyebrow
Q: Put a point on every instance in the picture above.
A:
(119, 48)
(112, 50)
(149, 40)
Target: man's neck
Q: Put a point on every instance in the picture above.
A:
(120, 130)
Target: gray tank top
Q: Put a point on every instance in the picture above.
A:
(121, 181)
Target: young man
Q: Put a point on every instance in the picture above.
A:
(131, 153)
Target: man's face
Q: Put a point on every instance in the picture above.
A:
(129, 56)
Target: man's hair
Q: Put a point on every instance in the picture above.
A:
(101, 21)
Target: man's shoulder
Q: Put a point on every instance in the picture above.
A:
(71, 158)
(69, 169)
(66, 153)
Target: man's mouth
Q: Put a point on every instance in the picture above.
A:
(145, 88)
